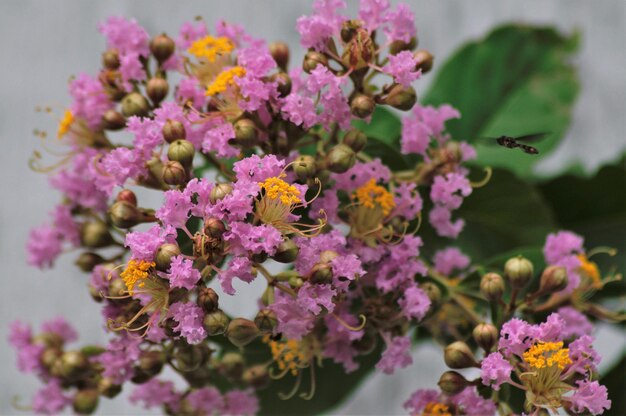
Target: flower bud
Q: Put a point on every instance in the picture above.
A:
(164, 255)
(124, 214)
(151, 362)
(433, 292)
(85, 401)
(486, 336)
(296, 282)
(95, 234)
(256, 376)
(113, 120)
(241, 332)
(157, 89)
(518, 271)
(398, 46)
(286, 252)
(135, 104)
(208, 299)
(245, 132)
(117, 287)
(162, 47)
(88, 260)
(424, 60)
(360, 51)
(173, 130)
(312, 59)
(284, 83)
(321, 273)
(174, 173)
(127, 195)
(232, 365)
(280, 53)
(349, 29)
(304, 167)
(111, 59)
(355, 139)
(400, 97)
(340, 158)
(220, 191)
(267, 298)
(189, 357)
(50, 356)
(362, 106)
(266, 320)
(452, 382)
(553, 279)
(214, 227)
(215, 322)
(459, 355)
(181, 151)
(107, 389)
(73, 365)
(492, 286)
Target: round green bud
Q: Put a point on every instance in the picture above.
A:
(164, 255)
(215, 322)
(266, 320)
(321, 273)
(241, 332)
(220, 191)
(181, 151)
(518, 271)
(312, 59)
(157, 89)
(355, 139)
(553, 279)
(95, 234)
(88, 260)
(400, 97)
(452, 382)
(113, 120)
(190, 357)
(492, 286)
(86, 401)
(287, 252)
(124, 214)
(173, 130)
(433, 292)
(486, 336)
(304, 167)
(162, 47)
(340, 158)
(362, 105)
(174, 173)
(107, 388)
(459, 355)
(73, 365)
(245, 132)
(50, 356)
(208, 299)
(135, 104)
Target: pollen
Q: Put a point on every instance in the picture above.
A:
(547, 354)
(276, 188)
(436, 409)
(370, 195)
(288, 355)
(590, 269)
(224, 80)
(65, 124)
(136, 272)
(210, 48)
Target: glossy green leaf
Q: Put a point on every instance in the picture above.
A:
(615, 381)
(516, 81)
(384, 126)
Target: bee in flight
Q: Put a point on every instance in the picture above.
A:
(514, 142)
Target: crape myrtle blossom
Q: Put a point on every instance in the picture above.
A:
(265, 172)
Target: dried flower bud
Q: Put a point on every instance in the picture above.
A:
(312, 59)
(266, 320)
(286, 252)
(433, 292)
(232, 365)
(518, 271)
(174, 173)
(362, 105)
(492, 286)
(88, 260)
(107, 389)
(135, 104)
(349, 29)
(181, 151)
(553, 279)
(459, 355)
(398, 46)
(162, 47)
(452, 382)
(360, 51)
(245, 132)
(321, 273)
(86, 401)
(280, 53)
(111, 59)
(208, 299)
(127, 195)
(164, 255)
(400, 97)
(220, 191)
(113, 120)
(173, 130)
(304, 167)
(215, 322)
(157, 89)
(73, 365)
(355, 139)
(284, 83)
(340, 158)
(241, 332)
(256, 376)
(486, 336)
(424, 60)
(95, 234)
(124, 214)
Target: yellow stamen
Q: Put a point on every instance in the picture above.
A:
(209, 47)
(224, 80)
(65, 124)
(590, 269)
(135, 273)
(288, 355)
(370, 195)
(276, 188)
(436, 409)
(547, 354)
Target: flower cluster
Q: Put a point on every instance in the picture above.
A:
(260, 168)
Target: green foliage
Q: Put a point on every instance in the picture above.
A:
(614, 382)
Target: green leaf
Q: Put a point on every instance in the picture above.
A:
(384, 126)
(614, 382)
(516, 81)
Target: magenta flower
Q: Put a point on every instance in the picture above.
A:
(44, 246)
(590, 396)
(50, 399)
(182, 273)
(206, 400)
(400, 24)
(495, 370)
(175, 210)
(60, 327)
(294, 322)
(119, 358)
(449, 259)
(125, 35)
(90, 100)
(156, 393)
(402, 67)
(189, 317)
(576, 323)
(238, 267)
(415, 303)
(373, 13)
(240, 403)
(396, 355)
(244, 237)
(313, 297)
(144, 244)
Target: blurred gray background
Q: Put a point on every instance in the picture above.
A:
(43, 42)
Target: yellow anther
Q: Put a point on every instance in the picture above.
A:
(210, 48)
(224, 80)
(276, 188)
(135, 273)
(547, 354)
(590, 269)
(287, 354)
(65, 124)
(370, 195)
(436, 409)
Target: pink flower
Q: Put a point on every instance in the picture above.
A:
(119, 358)
(189, 317)
(156, 393)
(125, 35)
(396, 355)
(402, 67)
(590, 395)
(345, 269)
(147, 133)
(450, 259)
(238, 267)
(400, 24)
(495, 370)
(131, 69)
(408, 200)
(206, 400)
(414, 303)
(50, 399)
(440, 218)
(316, 29)
(423, 124)
(68, 229)
(359, 174)
(217, 140)
(516, 337)
(121, 164)
(398, 269)
(258, 169)
(576, 323)
(473, 404)
(189, 89)
(338, 340)
(60, 327)
(294, 322)
(312, 298)
(44, 246)
(419, 399)
(244, 237)
(190, 32)
(90, 100)
(373, 13)
(144, 244)
(240, 402)
(299, 110)
(584, 357)
(182, 273)
(175, 210)
(562, 249)
(450, 189)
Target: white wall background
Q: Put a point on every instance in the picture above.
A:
(43, 42)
